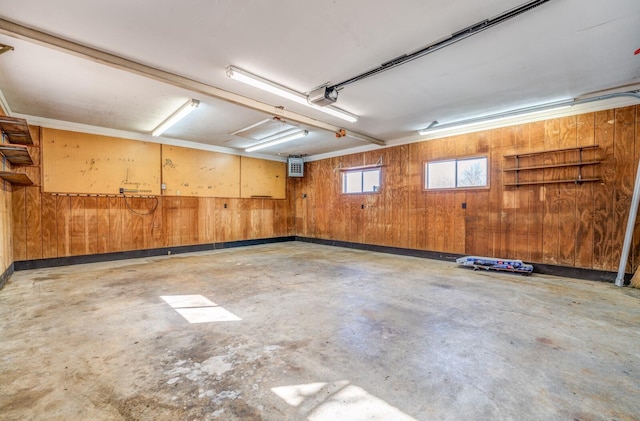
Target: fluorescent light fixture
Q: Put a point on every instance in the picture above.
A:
(175, 117)
(434, 127)
(288, 137)
(272, 87)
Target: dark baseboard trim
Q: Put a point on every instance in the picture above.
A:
(570, 272)
(135, 254)
(565, 271)
(435, 255)
(6, 275)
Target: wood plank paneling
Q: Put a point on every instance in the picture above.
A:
(574, 225)
(535, 232)
(624, 156)
(63, 224)
(78, 220)
(102, 215)
(171, 220)
(91, 224)
(550, 218)
(567, 230)
(116, 212)
(33, 207)
(49, 228)
(19, 217)
(521, 202)
(584, 196)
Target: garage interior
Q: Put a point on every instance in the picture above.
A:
(287, 249)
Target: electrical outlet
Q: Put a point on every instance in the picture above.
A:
(121, 190)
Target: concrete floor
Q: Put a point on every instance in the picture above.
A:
(326, 334)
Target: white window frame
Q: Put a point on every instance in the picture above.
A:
(456, 184)
(374, 188)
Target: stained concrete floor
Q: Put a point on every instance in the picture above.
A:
(326, 333)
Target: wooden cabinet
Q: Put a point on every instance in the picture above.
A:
(567, 165)
(15, 131)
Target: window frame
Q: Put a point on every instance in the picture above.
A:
(346, 171)
(425, 174)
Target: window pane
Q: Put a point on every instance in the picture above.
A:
(472, 172)
(352, 182)
(370, 181)
(441, 175)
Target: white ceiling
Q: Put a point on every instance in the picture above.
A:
(559, 50)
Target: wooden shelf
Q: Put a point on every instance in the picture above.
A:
(16, 130)
(16, 154)
(575, 181)
(540, 167)
(569, 161)
(16, 178)
(550, 151)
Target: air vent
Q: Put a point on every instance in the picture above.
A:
(295, 167)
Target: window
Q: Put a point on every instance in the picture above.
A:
(361, 181)
(456, 173)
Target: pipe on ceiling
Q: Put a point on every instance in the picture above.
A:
(467, 32)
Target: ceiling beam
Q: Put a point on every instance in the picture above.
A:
(15, 30)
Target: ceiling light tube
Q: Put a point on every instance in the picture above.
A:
(284, 92)
(175, 117)
(277, 141)
(434, 127)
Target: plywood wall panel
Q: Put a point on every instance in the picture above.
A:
(625, 170)
(116, 212)
(91, 224)
(33, 208)
(508, 213)
(495, 214)
(259, 177)
(550, 220)
(129, 236)
(567, 230)
(63, 224)
(90, 164)
(77, 226)
(49, 227)
(171, 222)
(191, 172)
(535, 233)
(280, 218)
(584, 196)
(203, 222)
(521, 202)
(223, 221)
(102, 220)
(635, 249)
(19, 218)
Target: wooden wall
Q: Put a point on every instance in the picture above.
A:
(49, 225)
(6, 245)
(81, 163)
(6, 233)
(562, 224)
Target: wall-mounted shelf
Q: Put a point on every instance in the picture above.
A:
(16, 178)
(16, 130)
(16, 154)
(571, 158)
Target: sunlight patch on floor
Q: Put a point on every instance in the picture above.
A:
(338, 401)
(199, 309)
